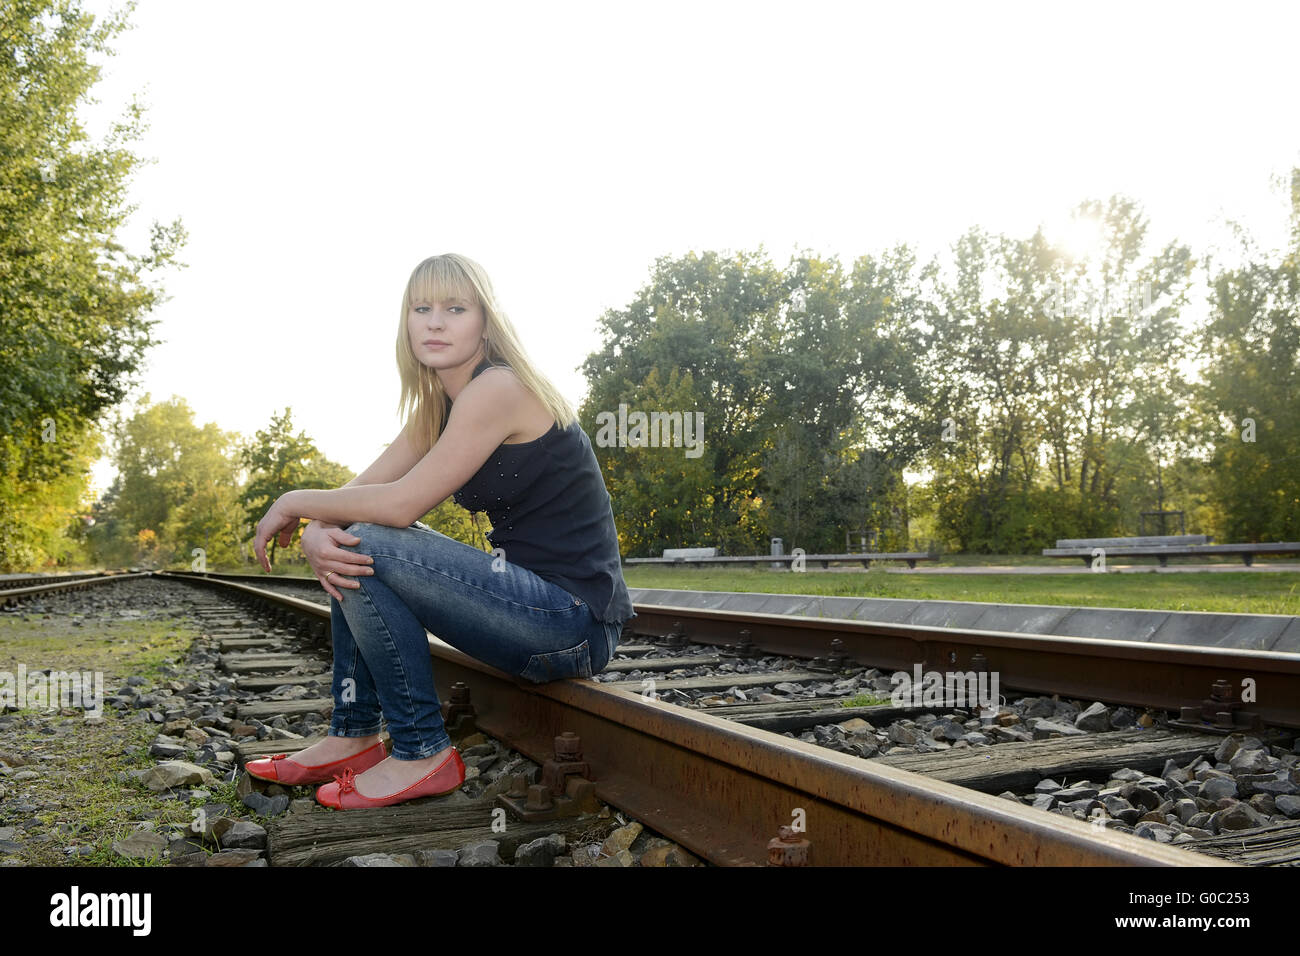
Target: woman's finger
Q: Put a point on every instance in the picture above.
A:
(349, 559)
(348, 580)
(324, 583)
(339, 538)
(344, 578)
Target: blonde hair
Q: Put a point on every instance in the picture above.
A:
(423, 405)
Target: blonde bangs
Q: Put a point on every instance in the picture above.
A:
(437, 280)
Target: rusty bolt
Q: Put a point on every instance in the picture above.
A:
(539, 797)
(518, 785)
(460, 694)
(568, 747)
(788, 849)
(1221, 690)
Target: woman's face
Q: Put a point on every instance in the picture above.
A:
(455, 323)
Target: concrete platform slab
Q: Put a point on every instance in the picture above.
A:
(947, 614)
(1267, 632)
(1112, 624)
(885, 610)
(1021, 618)
(1247, 632)
(1288, 642)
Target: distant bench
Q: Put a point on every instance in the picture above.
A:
(911, 557)
(1164, 547)
(1150, 541)
(685, 553)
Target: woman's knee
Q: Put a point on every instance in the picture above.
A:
(371, 535)
(357, 527)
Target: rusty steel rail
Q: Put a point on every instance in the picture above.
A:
(11, 596)
(1168, 676)
(723, 790)
(9, 582)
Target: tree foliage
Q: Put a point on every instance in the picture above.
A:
(73, 301)
(779, 363)
(278, 461)
(1055, 382)
(1250, 399)
(175, 479)
(1040, 390)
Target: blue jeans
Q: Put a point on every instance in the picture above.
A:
(501, 614)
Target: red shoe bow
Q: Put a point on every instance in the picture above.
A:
(346, 780)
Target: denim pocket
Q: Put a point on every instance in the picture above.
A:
(574, 662)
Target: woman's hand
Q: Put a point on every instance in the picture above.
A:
(320, 543)
(278, 520)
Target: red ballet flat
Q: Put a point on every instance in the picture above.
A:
(342, 794)
(281, 769)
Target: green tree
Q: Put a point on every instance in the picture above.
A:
(699, 315)
(176, 479)
(278, 461)
(663, 494)
(210, 517)
(47, 518)
(73, 300)
(1250, 398)
(780, 363)
(1057, 400)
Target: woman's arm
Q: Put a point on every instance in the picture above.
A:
(485, 414)
(393, 462)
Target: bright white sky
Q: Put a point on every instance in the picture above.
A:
(317, 151)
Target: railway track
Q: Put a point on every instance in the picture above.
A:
(717, 730)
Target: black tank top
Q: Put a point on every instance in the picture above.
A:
(551, 513)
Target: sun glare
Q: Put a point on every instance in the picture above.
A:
(1080, 237)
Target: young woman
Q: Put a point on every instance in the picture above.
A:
(485, 427)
